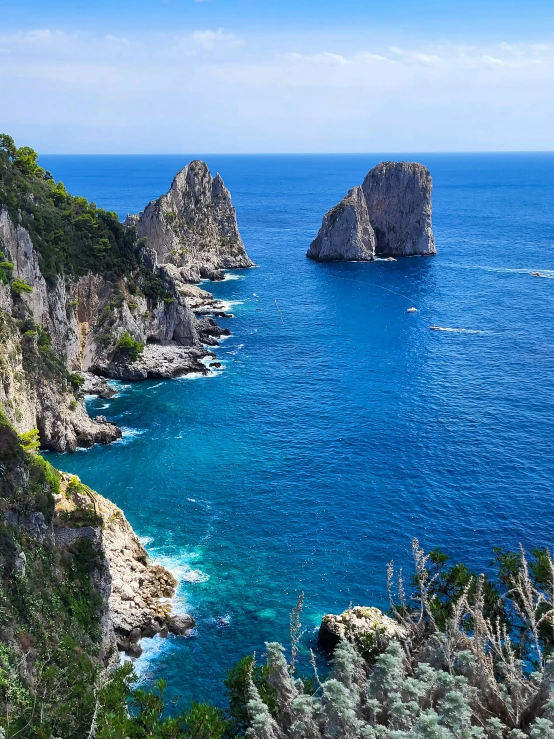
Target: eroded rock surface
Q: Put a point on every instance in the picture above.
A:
(138, 593)
(346, 232)
(194, 227)
(366, 625)
(389, 216)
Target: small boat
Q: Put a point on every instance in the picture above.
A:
(437, 328)
(536, 274)
(411, 310)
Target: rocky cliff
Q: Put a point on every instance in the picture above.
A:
(75, 555)
(389, 215)
(81, 293)
(194, 227)
(137, 593)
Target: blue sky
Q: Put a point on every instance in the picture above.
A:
(164, 76)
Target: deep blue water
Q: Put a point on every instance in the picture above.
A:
(335, 436)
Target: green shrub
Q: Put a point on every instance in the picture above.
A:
(71, 235)
(76, 380)
(19, 287)
(30, 440)
(129, 348)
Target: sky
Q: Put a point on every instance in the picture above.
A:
(277, 76)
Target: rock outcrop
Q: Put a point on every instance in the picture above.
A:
(137, 592)
(48, 519)
(388, 216)
(368, 627)
(194, 227)
(346, 232)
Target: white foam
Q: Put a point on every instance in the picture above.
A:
(194, 576)
(226, 305)
(459, 330)
(196, 375)
(145, 540)
(129, 434)
(179, 566)
(156, 385)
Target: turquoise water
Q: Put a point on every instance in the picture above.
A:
(334, 436)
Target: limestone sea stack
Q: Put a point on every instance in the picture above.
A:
(389, 216)
(194, 226)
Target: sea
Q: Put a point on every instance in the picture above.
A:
(341, 426)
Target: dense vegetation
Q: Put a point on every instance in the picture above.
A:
(71, 235)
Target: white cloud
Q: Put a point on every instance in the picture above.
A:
(116, 39)
(206, 90)
(209, 39)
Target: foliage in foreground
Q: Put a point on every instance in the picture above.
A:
(467, 666)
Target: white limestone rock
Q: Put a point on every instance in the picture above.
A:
(346, 232)
(398, 197)
(365, 625)
(388, 216)
(194, 226)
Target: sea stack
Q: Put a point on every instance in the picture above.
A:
(194, 226)
(389, 216)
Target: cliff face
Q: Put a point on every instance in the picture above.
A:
(73, 325)
(82, 293)
(136, 593)
(389, 215)
(194, 226)
(71, 563)
(38, 339)
(48, 332)
(346, 232)
(398, 197)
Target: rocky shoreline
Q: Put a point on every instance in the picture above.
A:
(65, 334)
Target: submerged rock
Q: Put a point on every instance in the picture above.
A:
(369, 627)
(389, 216)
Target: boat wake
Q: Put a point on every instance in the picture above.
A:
(458, 330)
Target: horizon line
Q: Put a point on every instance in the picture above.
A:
(292, 153)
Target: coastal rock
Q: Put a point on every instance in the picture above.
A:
(95, 385)
(368, 626)
(388, 216)
(194, 227)
(398, 197)
(159, 362)
(346, 232)
(180, 624)
(84, 319)
(136, 591)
